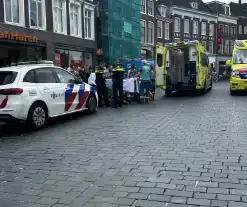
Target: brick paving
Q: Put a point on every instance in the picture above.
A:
(177, 152)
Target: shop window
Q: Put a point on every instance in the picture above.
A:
(14, 12)
(30, 77)
(37, 14)
(45, 75)
(65, 77)
(76, 59)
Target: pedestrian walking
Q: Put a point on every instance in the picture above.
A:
(117, 84)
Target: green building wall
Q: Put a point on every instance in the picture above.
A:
(119, 22)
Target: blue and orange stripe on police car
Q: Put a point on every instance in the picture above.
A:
(82, 96)
(69, 96)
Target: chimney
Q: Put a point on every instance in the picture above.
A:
(239, 1)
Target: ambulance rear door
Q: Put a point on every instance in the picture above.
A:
(160, 66)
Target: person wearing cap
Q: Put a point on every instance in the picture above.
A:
(145, 76)
(132, 72)
(117, 84)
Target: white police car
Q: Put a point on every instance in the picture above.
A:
(36, 91)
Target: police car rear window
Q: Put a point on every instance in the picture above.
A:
(7, 77)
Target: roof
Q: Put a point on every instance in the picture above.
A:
(186, 4)
(237, 9)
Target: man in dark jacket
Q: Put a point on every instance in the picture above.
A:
(117, 84)
(101, 86)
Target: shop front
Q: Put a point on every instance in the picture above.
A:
(17, 47)
(73, 58)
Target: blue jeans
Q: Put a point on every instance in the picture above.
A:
(145, 87)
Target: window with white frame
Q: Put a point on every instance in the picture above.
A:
(176, 40)
(37, 14)
(245, 29)
(210, 47)
(222, 47)
(204, 28)
(211, 29)
(89, 23)
(59, 16)
(227, 10)
(233, 31)
(177, 24)
(75, 19)
(167, 31)
(226, 47)
(240, 29)
(14, 12)
(226, 29)
(143, 31)
(231, 46)
(150, 7)
(186, 26)
(204, 43)
(150, 33)
(194, 5)
(162, 11)
(143, 6)
(195, 27)
(159, 29)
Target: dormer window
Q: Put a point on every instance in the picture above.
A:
(227, 10)
(194, 5)
(162, 11)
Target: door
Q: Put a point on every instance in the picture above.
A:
(71, 90)
(204, 70)
(49, 88)
(160, 66)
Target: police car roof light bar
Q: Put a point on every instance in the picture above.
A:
(46, 62)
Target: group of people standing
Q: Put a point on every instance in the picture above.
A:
(145, 75)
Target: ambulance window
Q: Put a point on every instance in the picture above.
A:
(160, 60)
(204, 60)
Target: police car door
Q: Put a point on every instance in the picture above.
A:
(70, 89)
(48, 88)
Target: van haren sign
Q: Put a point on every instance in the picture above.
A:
(18, 36)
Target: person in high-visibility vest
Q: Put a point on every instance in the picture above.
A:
(117, 84)
(101, 86)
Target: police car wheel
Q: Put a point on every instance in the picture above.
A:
(37, 115)
(91, 105)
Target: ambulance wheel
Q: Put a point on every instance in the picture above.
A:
(168, 93)
(211, 85)
(204, 87)
(232, 93)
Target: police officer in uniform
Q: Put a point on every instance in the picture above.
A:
(101, 86)
(117, 84)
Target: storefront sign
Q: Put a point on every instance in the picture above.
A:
(18, 36)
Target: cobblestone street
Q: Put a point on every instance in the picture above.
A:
(183, 151)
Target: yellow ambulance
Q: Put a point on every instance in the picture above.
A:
(182, 66)
(238, 64)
